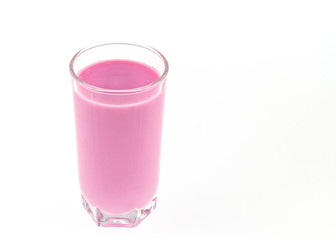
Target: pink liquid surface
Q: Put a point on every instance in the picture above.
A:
(118, 136)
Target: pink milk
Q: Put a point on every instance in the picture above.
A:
(118, 135)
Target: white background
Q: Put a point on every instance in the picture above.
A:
(250, 121)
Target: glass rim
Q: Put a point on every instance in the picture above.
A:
(148, 86)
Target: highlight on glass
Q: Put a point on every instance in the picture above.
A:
(118, 91)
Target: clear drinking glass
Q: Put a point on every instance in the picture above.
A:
(118, 131)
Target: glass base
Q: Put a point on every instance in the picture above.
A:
(131, 219)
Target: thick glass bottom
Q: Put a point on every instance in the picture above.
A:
(131, 219)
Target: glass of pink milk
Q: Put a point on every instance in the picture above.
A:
(118, 91)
